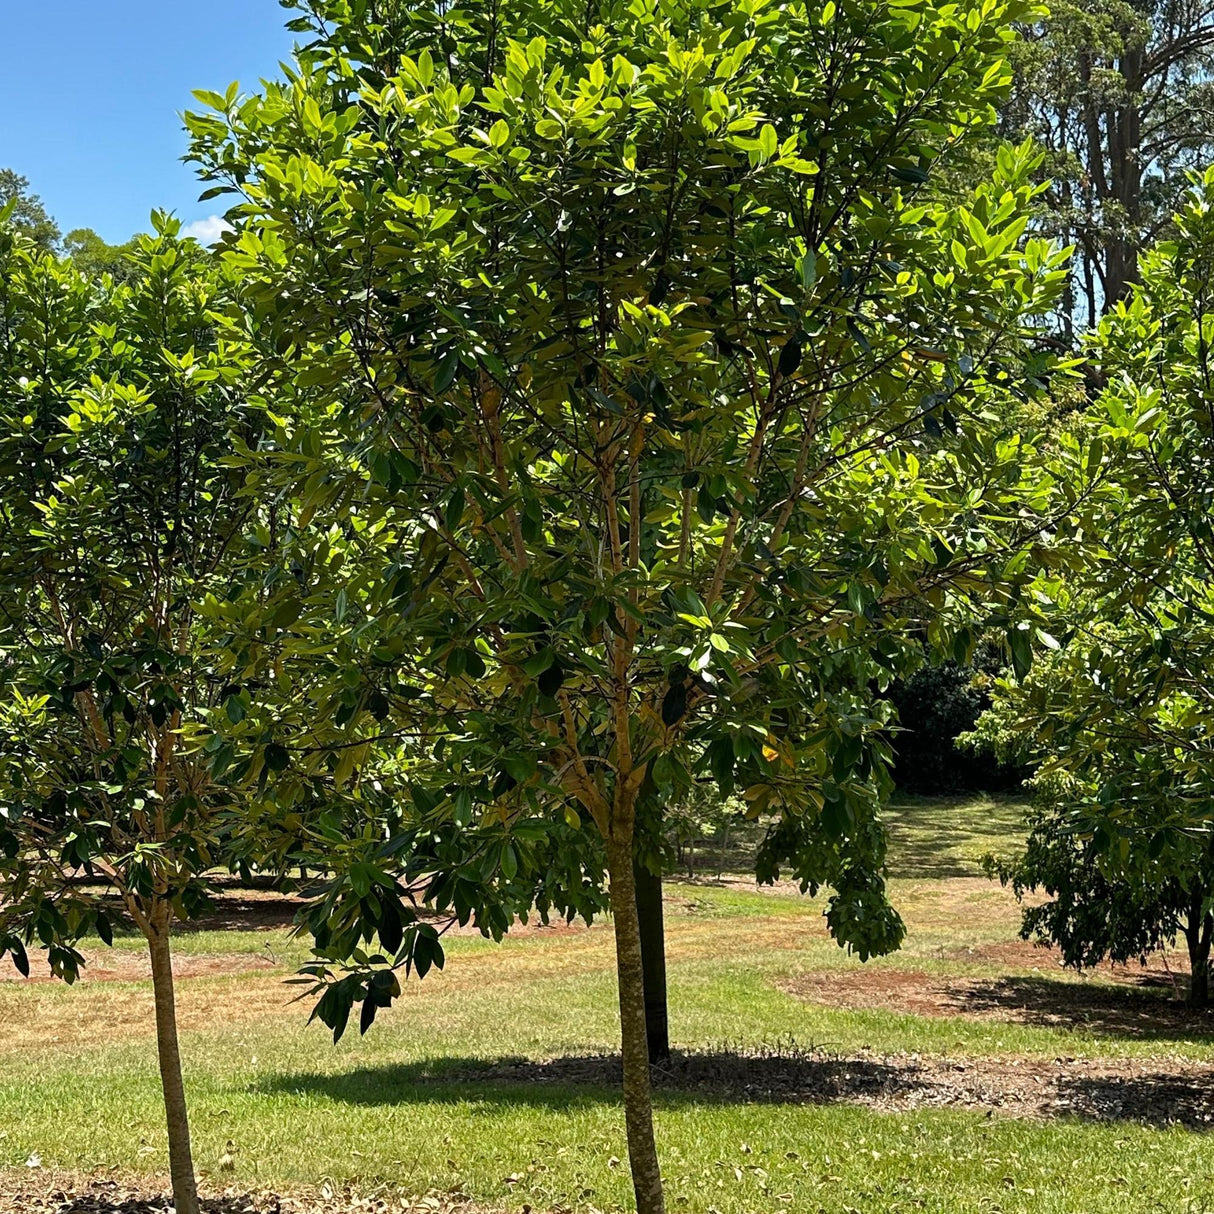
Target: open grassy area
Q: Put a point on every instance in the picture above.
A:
(947, 837)
(466, 1085)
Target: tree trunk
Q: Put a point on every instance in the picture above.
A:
(1125, 172)
(653, 961)
(181, 1163)
(630, 973)
(1199, 934)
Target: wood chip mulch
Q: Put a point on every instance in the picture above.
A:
(31, 1192)
(1162, 1092)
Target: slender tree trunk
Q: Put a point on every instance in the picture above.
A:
(1198, 935)
(181, 1163)
(653, 961)
(1089, 289)
(723, 849)
(1068, 291)
(1124, 127)
(630, 972)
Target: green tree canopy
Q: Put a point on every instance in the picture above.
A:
(94, 256)
(651, 408)
(1120, 718)
(1124, 875)
(117, 405)
(28, 214)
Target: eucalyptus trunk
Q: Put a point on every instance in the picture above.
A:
(630, 972)
(653, 961)
(181, 1163)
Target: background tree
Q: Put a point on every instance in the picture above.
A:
(654, 405)
(28, 214)
(93, 256)
(1120, 716)
(117, 406)
(1124, 875)
(1119, 94)
(935, 706)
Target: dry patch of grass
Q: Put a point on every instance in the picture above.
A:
(950, 922)
(1102, 1005)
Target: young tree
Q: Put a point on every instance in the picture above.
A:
(1121, 717)
(1103, 904)
(1124, 873)
(117, 406)
(654, 411)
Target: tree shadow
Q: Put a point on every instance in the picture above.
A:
(1157, 1099)
(234, 907)
(1142, 1010)
(1088, 1090)
(591, 1079)
(100, 1201)
(944, 837)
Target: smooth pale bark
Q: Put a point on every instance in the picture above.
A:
(653, 961)
(638, 1102)
(181, 1163)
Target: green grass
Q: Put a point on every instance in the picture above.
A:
(929, 837)
(406, 1105)
(948, 836)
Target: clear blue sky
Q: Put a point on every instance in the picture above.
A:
(91, 92)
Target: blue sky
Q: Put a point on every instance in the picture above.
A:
(91, 92)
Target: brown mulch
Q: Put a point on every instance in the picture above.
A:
(1156, 1092)
(33, 1193)
(1159, 969)
(1133, 1005)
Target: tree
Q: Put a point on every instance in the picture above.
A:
(1134, 565)
(118, 405)
(1100, 907)
(652, 409)
(1119, 95)
(1123, 876)
(935, 706)
(28, 214)
(93, 256)
(1120, 717)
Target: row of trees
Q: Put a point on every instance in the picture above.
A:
(591, 405)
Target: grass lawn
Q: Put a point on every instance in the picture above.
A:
(465, 1086)
(947, 837)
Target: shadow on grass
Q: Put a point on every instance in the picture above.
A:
(947, 837)
(1088, 1090)
(101, 1201)
(1142, 1010)
(591, 1079)
(1156, 1099)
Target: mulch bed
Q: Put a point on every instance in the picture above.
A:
(1133, 1005)
(1159, 1092)
(33, 1192)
